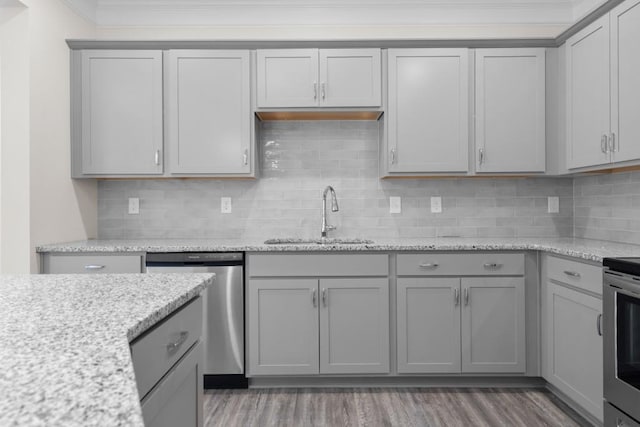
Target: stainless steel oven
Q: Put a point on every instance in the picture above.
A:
(621, 311)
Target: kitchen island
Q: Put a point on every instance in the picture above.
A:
(65, 357)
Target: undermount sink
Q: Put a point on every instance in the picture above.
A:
(319, 241)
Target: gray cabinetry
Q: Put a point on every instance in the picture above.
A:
(318, 78)
(428, 112)
(283, 326)
(168, 364)
(208, 112)
(510, 110)
(461, 324)
(117, 123)
(603, 90)
(91, 263)
(303, 322)
(572, 307)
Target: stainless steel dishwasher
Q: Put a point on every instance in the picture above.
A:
(223, 319)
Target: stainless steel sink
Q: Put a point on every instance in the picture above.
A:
(319, 241)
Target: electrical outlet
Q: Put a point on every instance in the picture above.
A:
(134, 206)
(395, 205)
(436, 205)
(225, 204)
(553, 204)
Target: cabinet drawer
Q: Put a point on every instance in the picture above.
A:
(575, 273)
(318, 265)
(476, 264)
(92, 264)
(158, 350)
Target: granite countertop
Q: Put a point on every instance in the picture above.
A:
(593, 250)
(65, 358)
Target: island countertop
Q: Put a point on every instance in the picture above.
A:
(65, 358)
(592, 250)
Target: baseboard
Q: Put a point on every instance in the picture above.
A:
(381, 382)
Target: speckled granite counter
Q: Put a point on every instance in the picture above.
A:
(593, 250)
(64, 352)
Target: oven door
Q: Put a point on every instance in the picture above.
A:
(621, 300)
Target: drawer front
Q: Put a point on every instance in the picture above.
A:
(159, 349)
(575, 273)
(92, 264)
(318, 265)
(476, 264)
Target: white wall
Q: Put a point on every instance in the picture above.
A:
(14, 179)
(61, 209)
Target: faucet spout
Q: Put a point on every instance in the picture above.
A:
(334, 208)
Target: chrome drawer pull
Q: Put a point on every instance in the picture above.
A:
(456, 297)
(599, 324)
(466, 296)
(314, 300)
(324, 297)
(572, 274)
(172, 347)
(430, 265)
(93, 267)
(492, 265)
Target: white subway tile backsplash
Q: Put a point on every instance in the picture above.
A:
(298, 159)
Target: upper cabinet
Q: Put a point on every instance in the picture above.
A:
(510, 110)
(318, 78)
(603, 90)
(208, 112)
(118, 113)
(428, 112)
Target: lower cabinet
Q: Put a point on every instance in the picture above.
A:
(461, 325)
(318, 326)
(574, 346)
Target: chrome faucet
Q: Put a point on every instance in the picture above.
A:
(334, 208)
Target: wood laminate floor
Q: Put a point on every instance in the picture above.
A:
(432, 407)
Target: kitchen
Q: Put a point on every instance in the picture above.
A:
(533, 210)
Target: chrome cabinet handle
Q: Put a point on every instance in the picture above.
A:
(492, 265)
(603, 144)
(430, 265)
(324, 297)
(456, 297)
(157, 158)
(93, 267)
(572, 274)
(466, 296)
(599, 324)
(315, 90)
(314, 299)
(615, 147)
(245, 157)
(322, 90)
(481, 156)
(393, 156)
(172, 347)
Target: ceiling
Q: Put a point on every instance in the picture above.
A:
(141, 13)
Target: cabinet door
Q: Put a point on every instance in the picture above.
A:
(428, 325)
(493, 329)
(287, 78)
(209, 112)
(588, 95)
(283, 327)
(121, 112)
(428, 110)
(354, 326)
(575, 346)
(350, 78)
(177, 399)
(510, 110)
(625, 81)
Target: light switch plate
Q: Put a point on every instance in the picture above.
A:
(553, 204)
(134, 206)
(436, 205)
(395, 205)
(225, 204)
